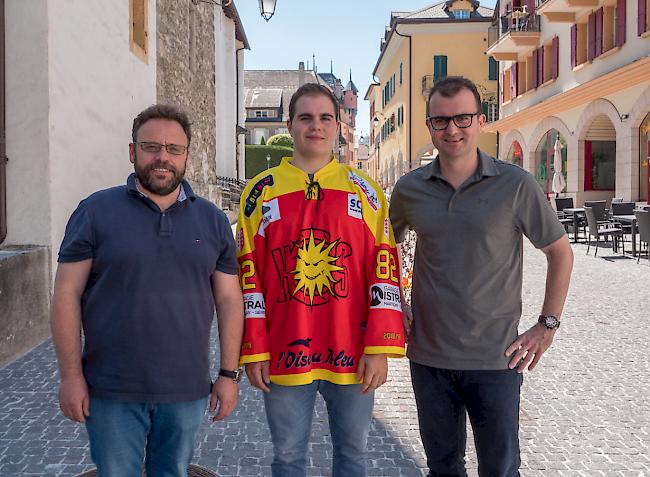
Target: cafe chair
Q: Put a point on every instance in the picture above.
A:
(643, 222)
(595, 230)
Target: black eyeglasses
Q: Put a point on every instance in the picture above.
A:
(440, 123)
(174, 149)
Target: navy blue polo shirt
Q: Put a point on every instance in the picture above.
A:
(148, 305)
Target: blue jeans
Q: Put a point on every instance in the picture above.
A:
(491, 400)
(289, 410)
(124, 434)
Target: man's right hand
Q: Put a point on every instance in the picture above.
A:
(258, 375)
(74, 400)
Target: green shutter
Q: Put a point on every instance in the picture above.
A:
(485, 107)
(493, 69)
(439, 67)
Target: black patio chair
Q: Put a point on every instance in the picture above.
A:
(562, 203)
(623, 208)
(565, 219)
(595, 230)
(192, 471)
(643, 222)
(600, 209)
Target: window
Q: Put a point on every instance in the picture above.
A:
(600, 165)
(262, 114)
(401, 72)
(491, 110)
(643, 16)
(493, 69)
(461, 14)
(544, 154)
(439, 67)
(138, 34)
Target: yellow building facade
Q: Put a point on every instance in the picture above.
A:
(419, 48)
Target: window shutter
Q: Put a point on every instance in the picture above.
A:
(502, 83)
(484, 108)
(493, 67)
(540, 65)
(513, 81)
(534, 67)
(620, 22)
(641, 19)
(574, 46)
(436, 68)
(599, 32)
(591, 35)
(444, 66)
(556, 58)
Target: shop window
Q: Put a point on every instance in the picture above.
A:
(543, 159)
(600, 165)
(515, 154)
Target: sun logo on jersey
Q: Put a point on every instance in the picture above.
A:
(314, 268)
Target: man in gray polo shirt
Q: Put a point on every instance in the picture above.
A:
(469, 212)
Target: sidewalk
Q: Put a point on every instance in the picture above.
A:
(585, 409)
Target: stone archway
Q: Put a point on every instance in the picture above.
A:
(508, 139)
(638, 145)
(573, 175)
(623, 183)
(425, 155)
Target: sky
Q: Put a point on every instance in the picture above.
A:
(346, 32)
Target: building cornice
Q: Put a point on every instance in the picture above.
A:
(615, 81)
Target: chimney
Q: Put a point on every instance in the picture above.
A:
(301, 73)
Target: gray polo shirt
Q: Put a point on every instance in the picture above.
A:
(468, 259)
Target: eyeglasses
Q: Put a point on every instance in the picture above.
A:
(440, 123)
(174, 149)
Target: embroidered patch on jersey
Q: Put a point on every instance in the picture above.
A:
(367, 189)
(254, 306)
(387, 228)
(255, 193)
(354, 206)
(385, 296)
(270, 213)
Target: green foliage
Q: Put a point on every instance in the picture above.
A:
(284, 140)
(256, 157)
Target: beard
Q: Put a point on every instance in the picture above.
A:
(146, 176)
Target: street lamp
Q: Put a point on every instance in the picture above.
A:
(268, 161)
(267, 8)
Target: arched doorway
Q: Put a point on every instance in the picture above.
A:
(644, 159)
(600, 155)
(543, 167)
(515, 154)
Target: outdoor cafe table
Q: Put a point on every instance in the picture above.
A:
(628, 219)
(576, 212)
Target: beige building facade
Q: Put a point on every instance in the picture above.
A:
(580, 72)
(419, 48)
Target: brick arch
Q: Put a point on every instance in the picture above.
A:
(596, 108)
(640, 110)
(508, 139)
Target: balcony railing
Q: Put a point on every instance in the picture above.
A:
(513, 22)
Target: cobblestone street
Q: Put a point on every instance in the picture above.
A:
(585, 409)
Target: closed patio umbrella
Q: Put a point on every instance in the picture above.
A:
(558, 178)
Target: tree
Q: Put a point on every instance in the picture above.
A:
(284, 140)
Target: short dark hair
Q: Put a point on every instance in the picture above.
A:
(312, 89)
(450, 86)
(162, 111)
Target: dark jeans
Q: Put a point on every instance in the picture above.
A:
(490, 399)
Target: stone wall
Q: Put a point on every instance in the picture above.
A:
(24, 299)
(186, 78)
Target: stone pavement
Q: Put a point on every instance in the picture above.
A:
(585, 409)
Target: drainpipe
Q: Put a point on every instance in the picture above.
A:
(410, 93)
(237, 126)
(3, 142)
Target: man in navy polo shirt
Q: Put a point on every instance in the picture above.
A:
(141, 268)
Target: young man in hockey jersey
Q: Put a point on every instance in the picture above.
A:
(318, 269)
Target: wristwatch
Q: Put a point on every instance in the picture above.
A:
(550, 322)
(234, 375)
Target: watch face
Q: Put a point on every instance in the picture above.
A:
(551, 322)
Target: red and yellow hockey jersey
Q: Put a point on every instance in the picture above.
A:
(318, 269)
